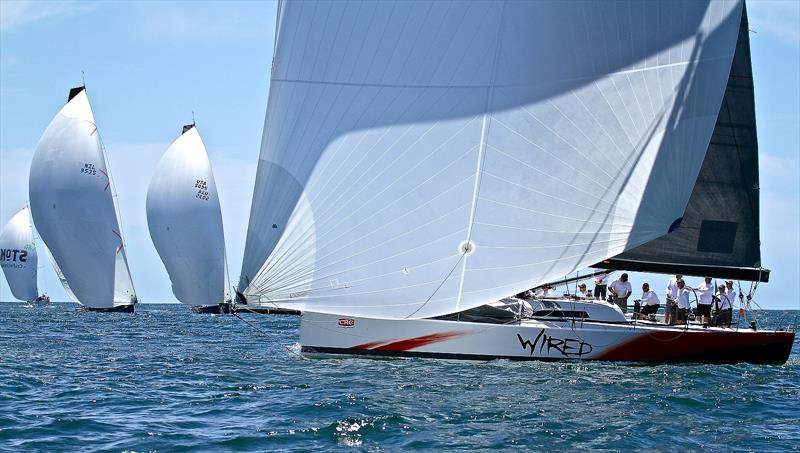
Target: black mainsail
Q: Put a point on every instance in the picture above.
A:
(718, 235)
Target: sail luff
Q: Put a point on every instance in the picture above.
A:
(124, 291)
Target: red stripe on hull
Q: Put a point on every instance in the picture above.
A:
(412, 343)
(370, 345)
(704, 346)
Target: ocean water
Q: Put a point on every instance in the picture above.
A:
(164, 379)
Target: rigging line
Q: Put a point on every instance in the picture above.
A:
(438, 287)
(262, 333)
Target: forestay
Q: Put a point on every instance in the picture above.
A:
(421, 158)
(73, 208)
(185, 222)
(18, 256)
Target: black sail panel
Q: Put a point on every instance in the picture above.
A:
(718, 235)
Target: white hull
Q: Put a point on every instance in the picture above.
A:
(533, 339)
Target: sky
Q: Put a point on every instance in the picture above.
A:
(149, 66)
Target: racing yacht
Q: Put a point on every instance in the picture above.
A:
(423, 161)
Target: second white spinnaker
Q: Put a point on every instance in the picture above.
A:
(185, 222)
(18, 256)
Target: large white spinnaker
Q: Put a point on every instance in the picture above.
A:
(73, 207)
(18, 256)
(421, 158)
(185, 222)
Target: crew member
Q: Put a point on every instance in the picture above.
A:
(682, 302)
(600, 286)
(583, 293)
(672, 295)
(706, 290)
(650, 301)
(621, 290)
(724, 312)
(525, 295)
(731, 292)
(545, 291)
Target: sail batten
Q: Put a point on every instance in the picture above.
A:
(413, 153)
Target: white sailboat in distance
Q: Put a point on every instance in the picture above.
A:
(73, 207)
(185, 222)
(422, 159)
(19, 259)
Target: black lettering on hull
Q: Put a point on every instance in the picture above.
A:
(567, 347)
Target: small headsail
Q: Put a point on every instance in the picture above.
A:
(18, 256)
(421, 158)
(72, 205)
(60, 276)
(185, 222)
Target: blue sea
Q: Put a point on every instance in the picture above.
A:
(165, 379)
